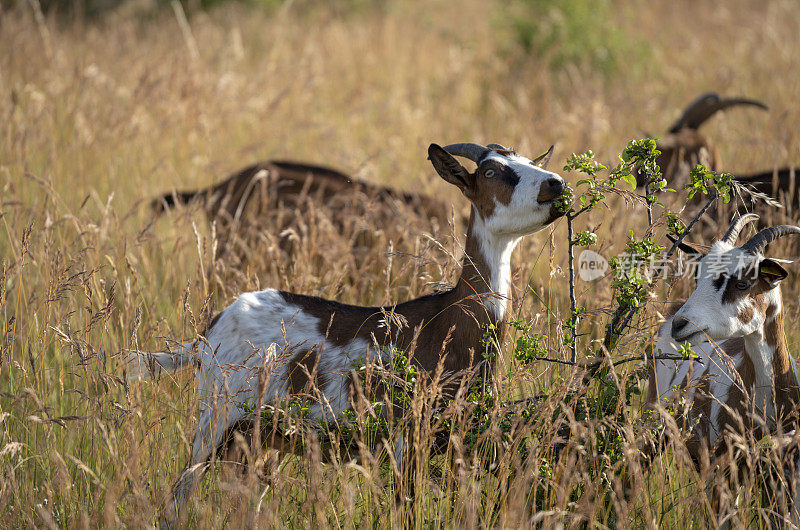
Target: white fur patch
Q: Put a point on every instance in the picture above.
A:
(497, 251)
(683, 377)
(257, 336)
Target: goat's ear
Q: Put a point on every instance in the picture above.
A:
(771, 272)
(686, 247)
(448, 167)
(544, 159)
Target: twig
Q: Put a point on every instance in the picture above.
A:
(648, 203)
(573, 321)
(557, 361)
(599, 361)
(657, 358)
(689, 228)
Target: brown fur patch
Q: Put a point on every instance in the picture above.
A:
(733, 294)
(446, 326)
(487, 192)
(740, 390)
(773, 331)
(547, 193)
(746, 314)
(760, 302)
(787, 392)
(302, 369)
(770, 312)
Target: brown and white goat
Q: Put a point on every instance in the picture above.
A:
(744, 376)
(293, 337)
(683, 147)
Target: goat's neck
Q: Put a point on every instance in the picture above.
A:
(486, 268)
(776, 384)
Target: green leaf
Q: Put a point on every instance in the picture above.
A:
(630, 179)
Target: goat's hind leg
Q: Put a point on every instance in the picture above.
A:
(211, 431)
(243, 456)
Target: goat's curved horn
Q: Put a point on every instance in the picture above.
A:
(732, 234)
(758, 242)
(497, 146)
(467, 150)
(706, 106)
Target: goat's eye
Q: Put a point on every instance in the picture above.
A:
(489, 173)
(742, 285)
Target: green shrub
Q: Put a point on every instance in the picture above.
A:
(572, 32)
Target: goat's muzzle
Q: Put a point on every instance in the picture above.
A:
(683, 331)
(551, 189)
(678, 325)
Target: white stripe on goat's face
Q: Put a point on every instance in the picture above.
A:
(513, 196)
(731, 298)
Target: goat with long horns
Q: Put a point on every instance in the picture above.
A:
(744, 382)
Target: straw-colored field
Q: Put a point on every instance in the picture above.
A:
(98, 117)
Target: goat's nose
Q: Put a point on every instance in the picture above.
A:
(556, 185)
(550, 189)
(678, 324)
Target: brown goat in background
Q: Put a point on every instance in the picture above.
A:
(291, 180)
(277, 196)
(683, 147)
(778, 184)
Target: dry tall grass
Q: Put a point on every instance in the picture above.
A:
(97, 118)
